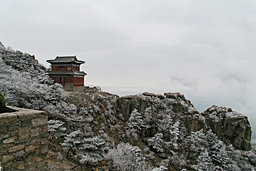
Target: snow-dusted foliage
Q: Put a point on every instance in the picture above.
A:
(126, 157)
(156, 142)
(24, 63)
(24, 83)
(56, 128)
(213, 154)
(134, 124)
(89, 150)
(20, 89)
(161, 168)
(72, 140)
(174, 134)
(204, 162)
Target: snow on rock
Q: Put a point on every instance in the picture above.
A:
(230, 126)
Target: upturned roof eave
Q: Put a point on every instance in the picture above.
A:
(66, 73)
(65, 59)
(66, 62)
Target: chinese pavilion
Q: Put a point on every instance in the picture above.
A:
(65, 70)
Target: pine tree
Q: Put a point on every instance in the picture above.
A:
(91, 150)
(56, 129)
(156, 142)
(73, 140)
(204, 162)
(126, 157)
(174, 134)
(134, 124)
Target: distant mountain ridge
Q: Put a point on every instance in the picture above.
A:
(139, 132)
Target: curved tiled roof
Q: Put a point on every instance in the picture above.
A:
(82, 73)
(66, 59)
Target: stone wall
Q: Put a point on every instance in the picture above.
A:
(23, 140)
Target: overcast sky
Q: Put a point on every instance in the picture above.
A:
(203, 49)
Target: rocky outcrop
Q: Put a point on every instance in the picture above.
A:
(229, 126)
(125, 105)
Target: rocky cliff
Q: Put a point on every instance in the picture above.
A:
(230, 126)
(167, 127)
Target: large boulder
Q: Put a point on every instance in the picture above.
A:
(230, 126)
(125, 105)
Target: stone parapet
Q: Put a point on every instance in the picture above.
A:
(23, 140)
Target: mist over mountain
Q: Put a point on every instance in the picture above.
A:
(138, 132)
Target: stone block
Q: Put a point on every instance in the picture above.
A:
(25, 114)
(44, 130)
(39, 121)
(37, 159)
(13, 127)
(44, 149)
(14, 133)
(26, 123)
(6, 146)
(29, 159)
(9, 140)
(8, 164)
(6, 118)
(16, 148)
(19, 153)
(3, 136)
(34, 132)
(30, 148)
(42, 165)
(3, 151)
(23, 133)
(7, 158)
(21, 166)
(23, 141)
(3, 129)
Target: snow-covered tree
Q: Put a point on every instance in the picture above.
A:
(195, 143)
(156, 142)
(56, 129)
(134, 124)
(164, 122)
(91, 150)
(177, 160)
(221, 157)
(204, 162)
(174, 134)
(127, 158)
(73, 140)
